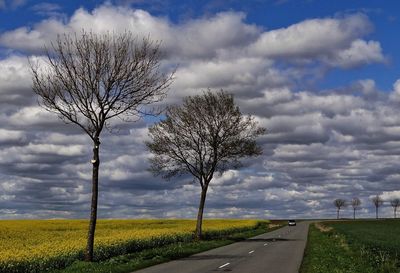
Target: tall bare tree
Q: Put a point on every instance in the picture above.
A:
(207, 134)
(377, 201)
(339, 204)
(395, 203)
(355, 203)
(91, 78)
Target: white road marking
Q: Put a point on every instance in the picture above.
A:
(265, 244)
(251, 251)
(224, 265)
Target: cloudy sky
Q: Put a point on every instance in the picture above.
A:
(323, 79)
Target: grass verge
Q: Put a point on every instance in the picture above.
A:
(134, 261)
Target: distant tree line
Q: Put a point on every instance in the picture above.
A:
(355, 203)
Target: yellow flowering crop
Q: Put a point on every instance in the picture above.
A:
(33, 245)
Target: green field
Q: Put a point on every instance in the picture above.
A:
(366, 246)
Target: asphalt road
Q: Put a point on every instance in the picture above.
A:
(278, 251)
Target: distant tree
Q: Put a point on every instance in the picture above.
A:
(90, 79)
(205, 135)
(339, 203)
(395, 203)
(377, 201)
(355, 203)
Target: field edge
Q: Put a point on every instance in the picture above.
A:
(149, 257)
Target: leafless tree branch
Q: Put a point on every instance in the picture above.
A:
(89, 79)
(207, 134)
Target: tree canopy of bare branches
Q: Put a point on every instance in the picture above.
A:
(339, 204)
(206, 134)
(395, 203)
(90, 78)
(355, 203)
(377, 201)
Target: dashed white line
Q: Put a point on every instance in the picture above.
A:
(251, 251)
(224, 265)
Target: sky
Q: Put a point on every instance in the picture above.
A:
(323, 77)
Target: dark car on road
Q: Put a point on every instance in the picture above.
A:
(292, 222)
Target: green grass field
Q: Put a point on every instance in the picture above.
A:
(353, 246)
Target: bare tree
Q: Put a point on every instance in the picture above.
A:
(355, 203)
(377, 201)
(339, 203)
(207, 134)
(90, 78)
(395, 203)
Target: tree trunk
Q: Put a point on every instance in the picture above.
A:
(354, 214)
(93, 209)
(200, 213)
(337, 214)
(376, 212)
(395, 209)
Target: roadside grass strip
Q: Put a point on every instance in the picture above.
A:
(130, 262)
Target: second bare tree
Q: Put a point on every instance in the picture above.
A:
(205, 135)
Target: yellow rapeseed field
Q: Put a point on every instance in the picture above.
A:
(32, 245)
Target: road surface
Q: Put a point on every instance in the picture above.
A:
(278, 251)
